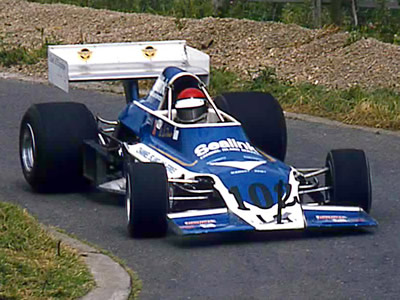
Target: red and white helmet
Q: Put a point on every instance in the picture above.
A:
(191, 105)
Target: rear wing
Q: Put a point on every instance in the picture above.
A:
(122, 61)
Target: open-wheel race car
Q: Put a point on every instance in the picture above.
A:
(182, 159)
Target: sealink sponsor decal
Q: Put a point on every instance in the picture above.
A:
(229, 144)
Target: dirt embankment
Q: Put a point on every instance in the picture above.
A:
(323, 57)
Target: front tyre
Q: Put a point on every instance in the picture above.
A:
(146, 199)
(51, 139)
(349, 177)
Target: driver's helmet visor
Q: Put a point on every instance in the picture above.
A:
(191, 109)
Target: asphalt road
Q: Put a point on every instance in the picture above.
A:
(285, 265)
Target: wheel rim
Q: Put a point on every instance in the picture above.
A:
(128, 198)
(28, 148)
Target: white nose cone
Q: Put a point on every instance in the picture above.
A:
(243, 165)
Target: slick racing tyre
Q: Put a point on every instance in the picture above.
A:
(349, 177)
(261, 117)
(50, 145)
(146, 199)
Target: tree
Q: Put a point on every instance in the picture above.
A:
(336, 12)
(220, 6)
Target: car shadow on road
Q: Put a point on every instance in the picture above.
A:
(103, 198)
(89, 193)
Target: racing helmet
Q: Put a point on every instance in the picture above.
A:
(191, 106)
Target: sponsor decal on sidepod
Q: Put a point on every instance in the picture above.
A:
(229, 144)
(331, 218)
(201, 223)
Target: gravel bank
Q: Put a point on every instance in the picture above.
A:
(323, 56)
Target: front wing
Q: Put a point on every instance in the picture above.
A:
(222, 220)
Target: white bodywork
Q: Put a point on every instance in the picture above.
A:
(116, 61)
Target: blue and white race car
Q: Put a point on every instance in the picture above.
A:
(182, 159)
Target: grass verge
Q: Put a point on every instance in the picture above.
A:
(21, 55)
(33, 265)
(136, 283)
(378, 108)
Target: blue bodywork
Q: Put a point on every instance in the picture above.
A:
(201, 149)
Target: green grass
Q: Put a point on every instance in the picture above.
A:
(136, 283)
(16, 56)
(32, 265)
(377, 108)
(20, 55)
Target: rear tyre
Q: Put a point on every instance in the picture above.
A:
(261, 117)
(349, 177)
(146, 199)
(51, 139)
